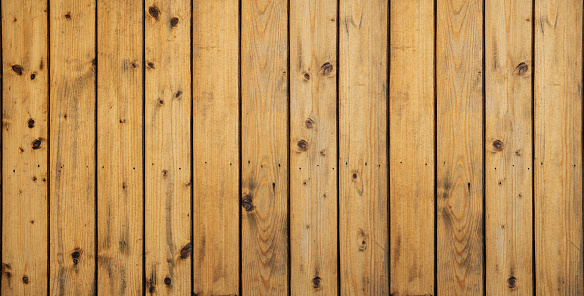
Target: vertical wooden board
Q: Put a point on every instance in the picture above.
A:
(264, 200)
(313, 147)
(412, 147)
(120, 171)
(508, 159)
(558, 148)
(168, 147)
(459, 77)
(25, 150)
(216, 147)
(72, 155)
(363, 120)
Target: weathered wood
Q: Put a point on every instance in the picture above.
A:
(25, 150)
(120, 168)
(412, 147)
(72, 154)
(459, 77)
(363, 179)
(313, 147)
(216, 147)
(168, 147)
(264, 200)
(558, 147)
(508, 159)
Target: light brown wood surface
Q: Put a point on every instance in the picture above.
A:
(24, 117)
(264, 150)
(558, 148)
(216, 147)
(411, 125)
(313, 147)
(72, 148)
(168, 189)
(120, 193)
(460, 214)
(508, 147)
(291, 147)
(363, 144)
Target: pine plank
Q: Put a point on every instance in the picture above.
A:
(558, 148)
(216, 147)
(168, 147)
(264, 200)
(412, 147)
(72, 140)
(508, 153)
(459, 77)
(363, 121)
(120, 171)
(24, 149)
(313, 147)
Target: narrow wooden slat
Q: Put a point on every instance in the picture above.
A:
(412, 147)
(558, 148)
(72, 155)
(459, 77)
(363, 179)
(120, 171)
(313, 147)
(508, 159)
(25, 134)
(168, 147)
(216, 147)
(264, 200)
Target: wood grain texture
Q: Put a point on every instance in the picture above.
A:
(558, 148)
(24, 116)
(264, 200)
(363, 179)
(216, 147)
(168, 147)
(72, 140)
(120, 169)
(411, 125)
(508, 152)
(459, 78)
(313, 147)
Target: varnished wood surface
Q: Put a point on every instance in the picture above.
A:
(313, 142)
(120, 108)
(558, 148)
(411, 130)
(508, 147)
(459, 157)
(291, 147)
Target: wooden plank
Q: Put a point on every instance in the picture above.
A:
(508, 159)
(313, 147)
(120, 170)
(168, 147)
(412, 147)
(459, 77)
(363, 179)
(72, 155)
(216, 147)
(264, 90)
(25, 149)
(558, 148)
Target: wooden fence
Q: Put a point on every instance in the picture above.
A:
(292, 147)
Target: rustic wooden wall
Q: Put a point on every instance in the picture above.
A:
(292, 147)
